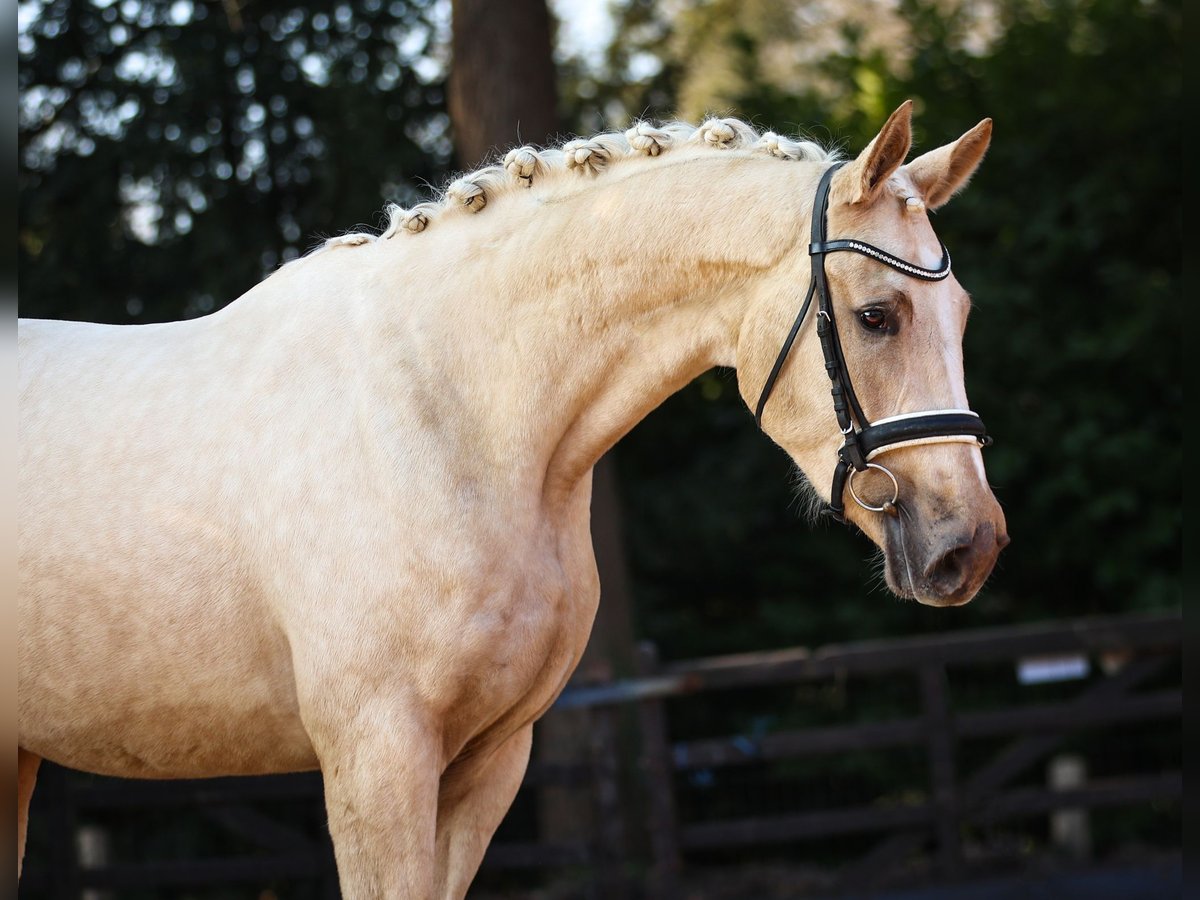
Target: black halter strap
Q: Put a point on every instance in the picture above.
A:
(865, 440)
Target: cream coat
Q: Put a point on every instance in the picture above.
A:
(343, 522)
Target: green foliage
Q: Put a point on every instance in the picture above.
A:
(1072, 240)
(171, 153)
(1069, 239)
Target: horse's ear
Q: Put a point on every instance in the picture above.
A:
(866, 176)
(942, 173)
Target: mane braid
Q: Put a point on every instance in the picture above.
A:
(581, 157)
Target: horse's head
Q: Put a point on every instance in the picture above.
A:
(897, 329)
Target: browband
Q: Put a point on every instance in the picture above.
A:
(900, 265)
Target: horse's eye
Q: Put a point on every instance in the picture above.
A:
(874, 319)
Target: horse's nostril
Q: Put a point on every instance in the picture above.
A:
(958, 565)
(950, 566)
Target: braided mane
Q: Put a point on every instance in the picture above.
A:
(586, 157)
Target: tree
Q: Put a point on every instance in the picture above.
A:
(171, 153)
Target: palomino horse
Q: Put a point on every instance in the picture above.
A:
(344, 522)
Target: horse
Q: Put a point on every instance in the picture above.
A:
(343, 522)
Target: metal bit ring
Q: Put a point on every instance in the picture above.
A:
(887, 505)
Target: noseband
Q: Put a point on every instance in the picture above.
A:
(869, 439)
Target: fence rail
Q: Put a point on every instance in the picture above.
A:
(1094, 635)
(1136, 651)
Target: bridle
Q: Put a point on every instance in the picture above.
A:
(864, 443)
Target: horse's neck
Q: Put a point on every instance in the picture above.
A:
(544, 329)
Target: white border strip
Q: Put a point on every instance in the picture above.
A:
(926, 412)
(917, 442)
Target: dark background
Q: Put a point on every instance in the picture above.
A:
(170, 154)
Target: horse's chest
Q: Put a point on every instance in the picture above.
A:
(530, 633)
(520, 634)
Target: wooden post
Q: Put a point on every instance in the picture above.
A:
(943, 781)
(658, 769)
(609, 835)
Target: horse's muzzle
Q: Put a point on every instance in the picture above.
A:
(955, 576)
(943, 571)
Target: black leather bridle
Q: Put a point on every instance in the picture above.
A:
(866, 440)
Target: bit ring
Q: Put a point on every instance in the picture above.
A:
(884, 507)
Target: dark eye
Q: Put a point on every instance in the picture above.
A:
(874, 319)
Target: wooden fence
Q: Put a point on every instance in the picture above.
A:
(648, 858)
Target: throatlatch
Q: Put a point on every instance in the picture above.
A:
(867, 440)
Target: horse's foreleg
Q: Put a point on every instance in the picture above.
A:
(381, 783)
(476, 792)
(27, 766)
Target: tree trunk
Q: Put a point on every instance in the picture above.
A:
(502, 82)
(502, 92)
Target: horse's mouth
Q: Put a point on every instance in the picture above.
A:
(944, 569)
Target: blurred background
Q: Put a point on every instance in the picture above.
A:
(172, 154)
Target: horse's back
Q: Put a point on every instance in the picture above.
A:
(139, 609)
(100, 413)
